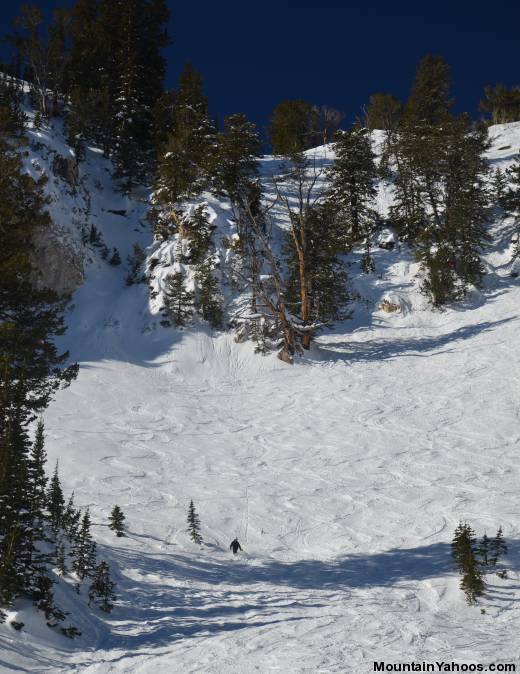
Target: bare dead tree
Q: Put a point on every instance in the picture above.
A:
(328, 121)
(44, 55)
(304, 177)
(269, 274)
(269, 290)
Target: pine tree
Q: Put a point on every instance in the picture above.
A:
(235, 167)
(499, 186)
(55, 502)
(472, 583)
(418, 148)
(31, 368)
(320, 236)
(209, 297)
(441, 200)
(483, 550)
(71, 518)
(135, 265)
(197, 230)
(115, 79)
(84, 549)
(38, 480)
(115, 258)
(464, 552)
(511, 197)
(451, 242)
(293, 127)
(13, 120)
(132, 116)
(463, 540)
(178, 301)
(429, 103)
(188, 154)
(117, 520)
(353, 188)
(194, 524)
(61, 558)
(497, 548)
(101, 590)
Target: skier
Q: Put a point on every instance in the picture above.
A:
(235, 546)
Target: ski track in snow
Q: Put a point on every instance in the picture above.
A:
(343, 477)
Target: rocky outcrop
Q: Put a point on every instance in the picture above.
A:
(58, 261)
(66, 168)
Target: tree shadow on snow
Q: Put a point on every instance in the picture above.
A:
(174, 596)
(178, 596)
(387, 349)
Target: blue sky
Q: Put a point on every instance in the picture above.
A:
(252, 55)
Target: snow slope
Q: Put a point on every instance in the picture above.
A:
(343, 477)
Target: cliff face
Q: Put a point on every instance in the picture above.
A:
(59, 261)
(58, 251)
(58, 255)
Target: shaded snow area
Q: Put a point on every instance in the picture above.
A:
(343, 476)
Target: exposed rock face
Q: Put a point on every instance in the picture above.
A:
(66, 168)
(58, 260)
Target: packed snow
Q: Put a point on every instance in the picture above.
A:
(343, 476)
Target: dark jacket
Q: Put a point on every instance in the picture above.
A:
(235, 546)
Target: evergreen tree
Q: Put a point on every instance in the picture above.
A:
(511, 198)
(132, 116)
(31, 368)
(472, 583)
(135, 265)
(292, 127)
(464, 540)
(464, 552)
(61, 562)
(71, 518)
(209, 296)
(441, 199)
(499, 186)
(115, 258)
(55, 502)
(194, 524)
(497, 548)
(418, 148)
(235, 170)
(84, 549)
(115, 79)
(164, 120)
(13, 120)
(429, 103)
(353, 188)
(101, 590)
(187, 159)
(483, 550)
(117, 520)
(178, 301)
(320, 236)
(197, 230)
(38, 479)
(455, 233)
